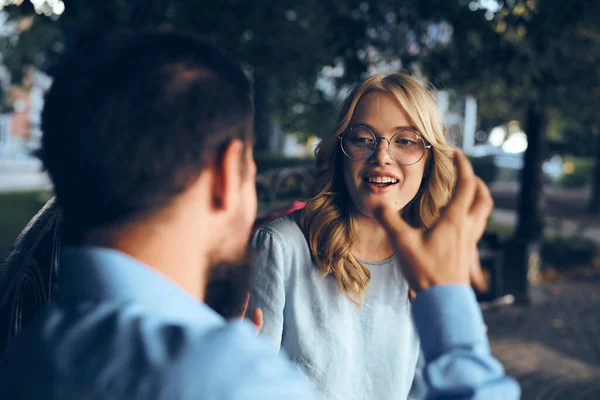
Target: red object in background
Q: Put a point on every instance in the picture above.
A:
(280, 212)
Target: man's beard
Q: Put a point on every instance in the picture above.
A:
(229, 285)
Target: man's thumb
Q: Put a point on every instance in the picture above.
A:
(257, 319)
(393, 223)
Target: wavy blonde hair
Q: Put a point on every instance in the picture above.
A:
(327, 219)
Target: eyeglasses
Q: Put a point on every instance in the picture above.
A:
(406, 147)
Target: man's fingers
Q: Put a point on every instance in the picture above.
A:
(257, 314)
(257, 319)
(397, 229)
(482, 203)
(476, 274)
(482, 207)
(462, 199)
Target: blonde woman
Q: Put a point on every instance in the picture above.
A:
(327, 278)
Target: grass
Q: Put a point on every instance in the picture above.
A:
(504, 231)
(16, 209)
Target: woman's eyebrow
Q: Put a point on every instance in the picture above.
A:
(396, 129)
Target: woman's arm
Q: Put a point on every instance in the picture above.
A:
(418, 390)
(268, 289)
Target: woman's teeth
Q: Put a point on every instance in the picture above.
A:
(381, 179)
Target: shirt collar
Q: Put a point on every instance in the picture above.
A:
(95, 273)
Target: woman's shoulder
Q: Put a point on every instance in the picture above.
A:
(285, 229)
(281, 243)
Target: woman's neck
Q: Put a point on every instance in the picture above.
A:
(371, 243)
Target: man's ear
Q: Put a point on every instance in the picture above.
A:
(227, 178)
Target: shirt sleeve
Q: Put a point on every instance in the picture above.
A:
(268, 290)
(458, 360)
(233, 363)
(270, 376)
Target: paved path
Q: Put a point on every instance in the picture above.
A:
(552, 348)
(557, 201)
(22, 174)
(565, 211)
(565, 227)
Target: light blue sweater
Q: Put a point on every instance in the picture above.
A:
(371, 353)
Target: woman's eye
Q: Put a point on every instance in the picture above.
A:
(362, 140)
(404, 142)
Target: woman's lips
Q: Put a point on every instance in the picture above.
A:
(379, 188)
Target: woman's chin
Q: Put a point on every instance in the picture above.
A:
(372, 203)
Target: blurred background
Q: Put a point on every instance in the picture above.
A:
(517, 83)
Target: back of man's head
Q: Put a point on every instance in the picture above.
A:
(131, 120)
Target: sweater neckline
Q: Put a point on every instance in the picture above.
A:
(388, 260)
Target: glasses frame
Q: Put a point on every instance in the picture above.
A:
(426, 146)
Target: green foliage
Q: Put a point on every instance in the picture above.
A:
(563, 253)
(283, 44)
(16, 209)
(531, 50)
(286, 45)
(570, 137)
(38, 45)
(529, 60)
(582, 173)
(528, 51)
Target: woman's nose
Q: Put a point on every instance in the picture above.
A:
(381, 155)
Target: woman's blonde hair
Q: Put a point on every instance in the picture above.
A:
(327, 219)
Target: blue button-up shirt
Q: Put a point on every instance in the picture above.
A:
(458, 360)
(120, 330)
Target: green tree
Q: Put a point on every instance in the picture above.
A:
(286, 45)
(283, 44)
(539, 57)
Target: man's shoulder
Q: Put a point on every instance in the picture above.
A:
(251, 364)
(126, 352)
(230, 361)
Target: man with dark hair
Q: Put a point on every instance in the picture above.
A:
(131, 122)
(148, 140)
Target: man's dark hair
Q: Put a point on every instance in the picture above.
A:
(132, 119)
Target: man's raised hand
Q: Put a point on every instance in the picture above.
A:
(442, 254)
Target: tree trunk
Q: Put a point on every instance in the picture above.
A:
(522, 254)
(530, 222)
(266, 135)
(594, 205)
